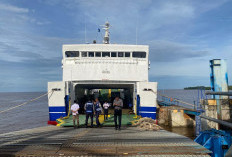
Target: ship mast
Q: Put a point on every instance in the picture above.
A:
(106, 27)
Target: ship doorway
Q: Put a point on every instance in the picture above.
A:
(106, 93)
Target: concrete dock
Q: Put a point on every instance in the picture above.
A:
(68, 142)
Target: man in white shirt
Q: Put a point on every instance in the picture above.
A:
(106, 108)
(74, 108)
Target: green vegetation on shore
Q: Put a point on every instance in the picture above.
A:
(202, 87)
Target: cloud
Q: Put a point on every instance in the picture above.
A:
(29, 75)
(166, 51)
(31, 36)
(175, 9)
(11, 8)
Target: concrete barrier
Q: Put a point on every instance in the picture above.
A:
(174, 116)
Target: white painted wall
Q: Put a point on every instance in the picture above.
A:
(147, 98)
(56, 98)
(93, 69)
(105, 68)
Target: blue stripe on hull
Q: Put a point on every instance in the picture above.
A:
(55, 116)
(148, 109)
(56, 112)
(145, 111)
(149, 115)
(57, 109)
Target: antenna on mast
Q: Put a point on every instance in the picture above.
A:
(106, 27)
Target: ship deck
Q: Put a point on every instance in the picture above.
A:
(68, 142)
(126, 120)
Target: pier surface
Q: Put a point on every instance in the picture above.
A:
(68, 142)
(126, 120)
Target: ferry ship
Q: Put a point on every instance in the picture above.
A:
(91, 67)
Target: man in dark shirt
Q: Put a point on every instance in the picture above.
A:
(118, 104)
(89, 109)
(98, 110)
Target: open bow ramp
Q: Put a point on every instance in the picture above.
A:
(63, 141)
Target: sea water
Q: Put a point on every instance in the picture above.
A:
(36, 114)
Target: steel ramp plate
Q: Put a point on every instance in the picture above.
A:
(68, 142)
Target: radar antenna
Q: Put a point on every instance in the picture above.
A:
(106, 27)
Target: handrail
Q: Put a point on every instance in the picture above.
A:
(183, 102)
(217, 121)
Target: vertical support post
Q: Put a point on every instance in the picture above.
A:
(138, 104)
(67, 104)
(197, 117)
(135, 99)
(219, 82)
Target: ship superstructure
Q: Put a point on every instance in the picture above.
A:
(88, 67)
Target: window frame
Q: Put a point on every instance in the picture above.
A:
(72, 56)
(144, 52)
(96, 54)
(127, 53)
(84, 52)
(91, 56)
(107, 53)
(122, 54)
(114, 53)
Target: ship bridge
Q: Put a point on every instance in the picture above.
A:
(105, 62)
(92, 70)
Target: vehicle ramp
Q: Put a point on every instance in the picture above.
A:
(68, 142)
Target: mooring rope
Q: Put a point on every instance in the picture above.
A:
(27, 102)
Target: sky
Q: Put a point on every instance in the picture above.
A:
(183, 35)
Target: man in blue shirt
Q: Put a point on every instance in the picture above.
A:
(89, 109)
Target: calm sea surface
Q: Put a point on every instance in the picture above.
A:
(31, 115)
(35, 114)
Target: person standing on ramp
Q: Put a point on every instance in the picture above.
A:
(106, 109)
(74, 108)
(98, 111)
(89, 108)
(118, 104)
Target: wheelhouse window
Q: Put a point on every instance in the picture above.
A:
(113, 54)
(127, 54)
(120, 54)
(105, 54)
(97, 54)
(139, 54)
(91, 54)
(72, 53)
(83, 54)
